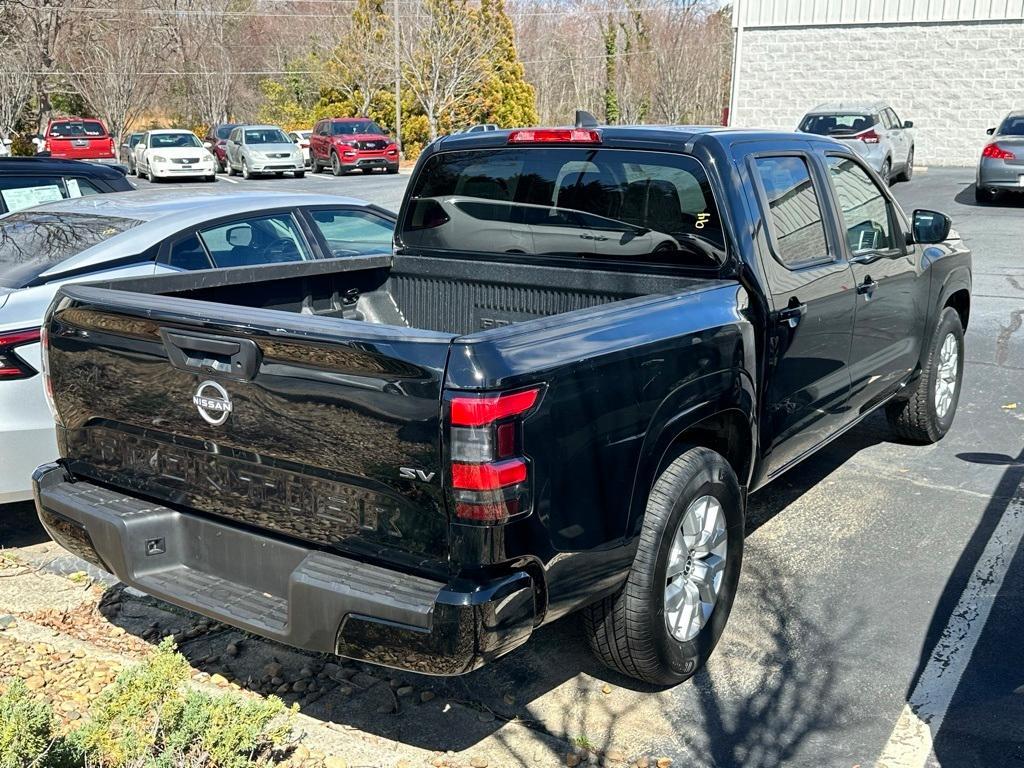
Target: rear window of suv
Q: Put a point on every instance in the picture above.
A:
(837, 124)
(601, 205)
(87, 129)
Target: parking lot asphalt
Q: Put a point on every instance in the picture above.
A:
(880, 618)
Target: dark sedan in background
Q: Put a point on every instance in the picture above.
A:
(29, 181)
(1001, 168)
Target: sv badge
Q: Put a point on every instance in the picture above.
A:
(408, 473)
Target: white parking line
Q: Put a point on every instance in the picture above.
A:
(910, 745)
(225, 177)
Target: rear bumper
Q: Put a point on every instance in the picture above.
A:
(302, 597)
(998, 174)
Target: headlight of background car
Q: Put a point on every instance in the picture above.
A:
(257, 155)
(158, 159)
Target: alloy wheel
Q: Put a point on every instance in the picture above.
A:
(946, 375)
(695, 567)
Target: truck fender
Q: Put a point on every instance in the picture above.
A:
(956, 280)
(728, 395)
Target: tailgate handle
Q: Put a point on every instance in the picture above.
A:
(232, 358)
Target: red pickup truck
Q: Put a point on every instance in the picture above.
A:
(76, 138)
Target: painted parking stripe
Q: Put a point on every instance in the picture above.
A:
(910, 745)
(225, 177)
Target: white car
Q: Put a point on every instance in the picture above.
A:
(301, 139)
(142, 233)
(172, 153)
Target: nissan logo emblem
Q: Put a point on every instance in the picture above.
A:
(213, 402)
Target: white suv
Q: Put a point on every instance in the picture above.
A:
(872, 129)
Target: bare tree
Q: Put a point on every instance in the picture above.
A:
(444, 54)
(110, 71)
(16, 86)
(357, 68)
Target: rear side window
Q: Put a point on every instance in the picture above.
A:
(350, 232)
(797, 229)
(262, 240)
(837, 124)
(601, 205)
(864, 208)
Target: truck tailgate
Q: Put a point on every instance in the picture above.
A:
(320, 429)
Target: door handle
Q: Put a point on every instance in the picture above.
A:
(791, 315)
(867, 287)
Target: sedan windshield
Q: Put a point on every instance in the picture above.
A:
(836, 124)
(164, 140)
(356, 126)
(266, 136)
(33, 241)
(1012, 126)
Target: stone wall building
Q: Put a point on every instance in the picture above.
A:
(953, 67)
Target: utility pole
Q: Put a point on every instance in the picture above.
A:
(398, 83)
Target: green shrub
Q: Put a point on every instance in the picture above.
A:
(26, 726)
(22, 145)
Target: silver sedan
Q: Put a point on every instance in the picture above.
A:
(253, 150)
(1001, 168)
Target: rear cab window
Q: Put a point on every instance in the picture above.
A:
(837, 124)
(83, 129)
(601, 205)
(797, 230)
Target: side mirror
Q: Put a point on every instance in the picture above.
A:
(990, 131)
(930, 227)
(908, 123)
(208, 145)
(240, 236)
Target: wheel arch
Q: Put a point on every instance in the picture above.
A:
(960, 300)
(726, 424)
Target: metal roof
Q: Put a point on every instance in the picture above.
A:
(799, 13)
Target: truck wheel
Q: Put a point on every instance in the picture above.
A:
(314, 166)
(664, 622)
(927, 414)
(336, 168)
(886, 172)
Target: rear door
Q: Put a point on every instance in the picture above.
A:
(811, 322)
(315, 428)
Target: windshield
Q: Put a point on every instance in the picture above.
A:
(602, 204)
(356, 126)
(83, 129)
(837, 124)
(164, 140)
(32, 242)
(134, 139)
(1012, 126)
(266, 136)
(223, 131)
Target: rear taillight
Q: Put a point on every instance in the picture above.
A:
(868, 137)
(490, 472)
(113, 148)
(44, 365)
(12, 366)
(555, 136)
(995, 152)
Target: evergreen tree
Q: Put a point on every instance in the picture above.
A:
(506, 98)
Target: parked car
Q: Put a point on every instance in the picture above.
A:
(481, 128)
(216, 141)
(346, 144)
(29, 181)
(142, 233)
(418, 460)
(5, 147)
(128, 150)
(254, 150)
(171, 153)
(301, 140)
(1001, 167)
(872, 129)
(76, 138)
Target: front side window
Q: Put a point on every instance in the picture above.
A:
(350, 232)
(597, 204)
(32, 242)
(864, 208)
(18, 192)
(798, 232)
(259, 240)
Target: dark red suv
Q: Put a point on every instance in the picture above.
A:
(77, 138)
(344, 144)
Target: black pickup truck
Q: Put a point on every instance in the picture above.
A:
(588, 347)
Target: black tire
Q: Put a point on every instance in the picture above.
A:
(314, 166)
(279, 174)
(628, 631)
(886, 172)
(336, 168)
(392, 170)
(367, 171)
(231, 169)
(152, 177)
(246, 173)
(212, 177)
(300, 174)
(908, 172)
(916, 417)
(985, 195)
(223, 164)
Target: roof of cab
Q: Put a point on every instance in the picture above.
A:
(10, 166)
